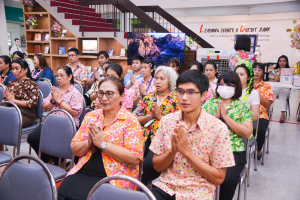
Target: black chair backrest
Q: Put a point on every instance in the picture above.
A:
(56, 134)
(11, 125)
(22, 181)
(54, 81)
(1, 92)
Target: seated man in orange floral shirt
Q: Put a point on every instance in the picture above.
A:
(192, 148)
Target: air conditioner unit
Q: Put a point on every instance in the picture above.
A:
(218, 56)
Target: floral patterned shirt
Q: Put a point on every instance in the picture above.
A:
(211, 89)
(237, 110)
(264, 89)
(147, 85)
(43, 73)
(240, 55)
(124, 131)
(80, 72)
(73, 98)
(275, 73)
(25, 90)
(6, 78)
(169, 105)
(127, 101)
(208, 139)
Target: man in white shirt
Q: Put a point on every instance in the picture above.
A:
(15, 47)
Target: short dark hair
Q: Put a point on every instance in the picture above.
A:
(69, 72)
(6, 60)
(103, 53)
(260, 66)
(108, 62)
(137, 57)
(196, 77)
(75, 50)
(19, 53)
(233, 78)
(149, 61)
(198, 64)
(17, 39)
(287, 62)
(24, 65)
(117, 82)
(115, 67)
(243, 42)
(173, 61)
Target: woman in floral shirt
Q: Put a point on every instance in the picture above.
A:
(266, 99)
(238, 117)
(152, 109)
(65, 97)
(23, 92)
(109, 142)
(211, 70)
(281, 92)
(243, 44)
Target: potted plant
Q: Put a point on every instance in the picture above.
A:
(29, 4)
(192, 43)
(56, 28)
(31, 22)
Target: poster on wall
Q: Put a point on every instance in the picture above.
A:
(23, 43)
(253, 41)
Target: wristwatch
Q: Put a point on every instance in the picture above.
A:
(103, 145)
(52, 102)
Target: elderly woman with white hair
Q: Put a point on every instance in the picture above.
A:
(152, 109)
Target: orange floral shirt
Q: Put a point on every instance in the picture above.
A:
(208, 139)
(124, 131)
(264, 89)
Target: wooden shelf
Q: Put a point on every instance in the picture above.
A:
(118, 58)
(63, 38)
(43, 54)
(60, 55)
(37, 30)
(38, 42)
(36, 13)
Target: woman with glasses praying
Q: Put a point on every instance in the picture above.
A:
(236, 114)
(266, 99)
(108, 142)
(152, 109)
(65, 97)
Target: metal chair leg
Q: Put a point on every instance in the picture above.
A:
(29, 153)
(263, 154)
(245, 189)
(239, 191)
(268, 143)
(255, 160)
(248, 170)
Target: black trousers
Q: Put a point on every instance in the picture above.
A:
(149, 173)
(87, 99)
(160, 194)
(261, 133)
(232, 177)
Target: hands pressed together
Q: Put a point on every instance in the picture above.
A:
(9, 96)
(56, 95)
(156, 111)
(221, 111)
(96, 136)
(179, 140)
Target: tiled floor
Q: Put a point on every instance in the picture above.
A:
(279, 178)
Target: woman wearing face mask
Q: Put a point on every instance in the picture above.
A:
(236, 114)
(249, 94)
(281, 92)
(6, 74)
(23, 92)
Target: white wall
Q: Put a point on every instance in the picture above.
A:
(274, 43)
(3, 31)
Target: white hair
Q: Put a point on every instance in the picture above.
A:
(168, 72)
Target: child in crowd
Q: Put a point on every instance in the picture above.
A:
(136, 74)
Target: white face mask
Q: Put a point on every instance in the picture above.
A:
(226, 92)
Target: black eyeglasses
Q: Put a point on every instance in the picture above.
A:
(108, 94)
(188, 93)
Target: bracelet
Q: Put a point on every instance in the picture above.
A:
(60, 103)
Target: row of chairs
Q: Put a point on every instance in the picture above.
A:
(23, 180)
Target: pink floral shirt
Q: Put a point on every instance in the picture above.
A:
(73, 98)
(80, 72)
(124, 131)
(208, 139)
(135, 88)
(211, 89)
(238, 56)
(127, 102)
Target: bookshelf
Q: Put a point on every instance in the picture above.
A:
(53, 58)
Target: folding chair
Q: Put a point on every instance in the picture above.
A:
(78, 86)
(217, 193)
(81, 117)
(21, 181)
(11, 126)
(56, 134)
(252, 149)
(1, 92)
(244, 174)
(103, 190)
(54, 80)
(45, 86)
(38, 114)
